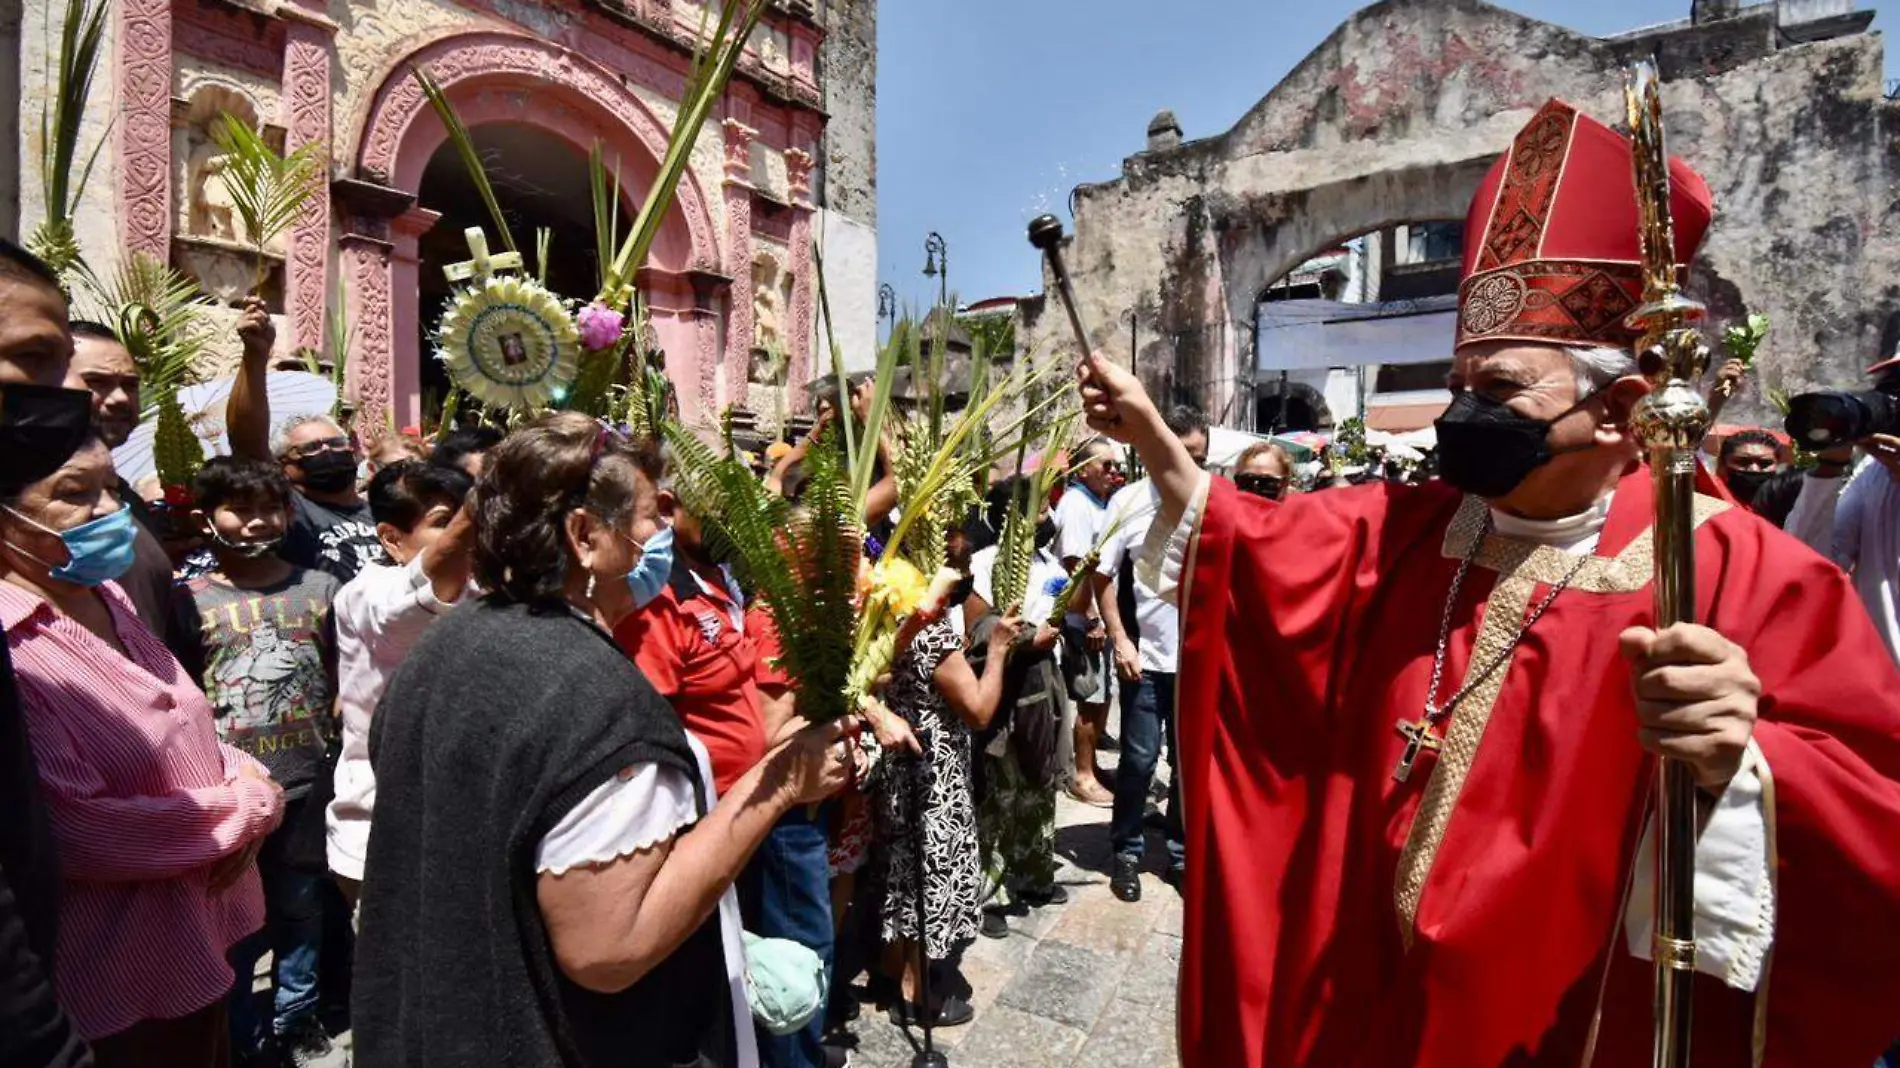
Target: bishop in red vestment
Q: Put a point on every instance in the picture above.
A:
(1419, 724)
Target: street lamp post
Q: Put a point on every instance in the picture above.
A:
(887, 303)
(937, 264)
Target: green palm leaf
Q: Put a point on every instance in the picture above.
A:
(268, 191)
(160, 317)
(81, 34)
(465, 148)
(712, 66)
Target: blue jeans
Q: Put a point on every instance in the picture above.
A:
(791, 885)
(1146, 722)
(292, 934)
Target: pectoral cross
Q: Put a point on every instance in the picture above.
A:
(1418, 737)
(481, 265)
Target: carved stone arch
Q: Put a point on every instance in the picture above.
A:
(399, 133)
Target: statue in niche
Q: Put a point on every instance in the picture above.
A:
(767, 310)
(212, 208)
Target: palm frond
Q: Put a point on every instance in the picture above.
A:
(1016, 542)
(713, 63)
(159, 315)
(268, 191)
(61, 119)
(465, 148)
(342, 338)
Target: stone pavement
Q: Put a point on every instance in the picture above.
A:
(1088, 984)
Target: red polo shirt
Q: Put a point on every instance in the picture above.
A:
(689, 648)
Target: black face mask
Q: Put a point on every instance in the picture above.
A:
(1045, 533)
(329, 471)
(1745, 484)
(1487, 450)
(40, 429)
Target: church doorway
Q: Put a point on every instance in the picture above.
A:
(540, 179)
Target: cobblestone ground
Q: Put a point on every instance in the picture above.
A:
(1087, 984)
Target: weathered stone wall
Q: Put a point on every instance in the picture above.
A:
(96, 223)
(848, 221)
(10, 12)
(1396, 116)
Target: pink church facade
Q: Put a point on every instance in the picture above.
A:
(610, 73)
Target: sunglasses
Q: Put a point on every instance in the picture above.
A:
(312, 448)
(1272, 487)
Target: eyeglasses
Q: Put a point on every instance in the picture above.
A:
(312, 448)
(1272, 487)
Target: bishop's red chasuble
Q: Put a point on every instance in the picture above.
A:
(1472, 915)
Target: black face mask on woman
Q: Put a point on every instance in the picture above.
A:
(330, 471)
(1488, 450)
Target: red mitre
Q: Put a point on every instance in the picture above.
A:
(1552, 245)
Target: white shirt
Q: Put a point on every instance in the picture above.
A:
(380, 615)
(1734, 892)
(641, 807)
(1046, 577)
(1130, 512)
(1858, 527)
(1080, 518)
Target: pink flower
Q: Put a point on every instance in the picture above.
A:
(599, 326)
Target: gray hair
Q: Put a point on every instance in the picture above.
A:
(280, 435)
(1598, 365)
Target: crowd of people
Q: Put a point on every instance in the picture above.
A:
(485, 746)
(483, 721)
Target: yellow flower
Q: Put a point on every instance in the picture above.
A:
(899, 586)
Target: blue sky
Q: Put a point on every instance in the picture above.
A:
(990, 111)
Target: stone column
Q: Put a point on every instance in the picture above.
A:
(145, 143)
(366, 262)
(736, 368)
(306, 118)
(405, 317)
(366, 258)
(804, 276)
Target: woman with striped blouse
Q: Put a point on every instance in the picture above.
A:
(156, 822)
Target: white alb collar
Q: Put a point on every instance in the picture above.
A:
(1562, 533)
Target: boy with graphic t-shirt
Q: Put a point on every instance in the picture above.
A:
(269, 657)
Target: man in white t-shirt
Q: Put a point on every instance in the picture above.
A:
(1148, 664)
(380, 615)
(1081, 517)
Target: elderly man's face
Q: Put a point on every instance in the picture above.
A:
(1529, 381)
(105, 369)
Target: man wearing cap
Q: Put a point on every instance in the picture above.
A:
(1419, 724)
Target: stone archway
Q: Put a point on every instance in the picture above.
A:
(494, 77)
(1399, 112)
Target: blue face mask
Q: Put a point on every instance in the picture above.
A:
(649, 576)
(98, 551)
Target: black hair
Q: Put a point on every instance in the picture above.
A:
(17, 262)
(1185, 419)
(402, 493)
(532, 480)
(11, 485)
(89, 328)
(456, 445)
(237, 478)
(1752, 436)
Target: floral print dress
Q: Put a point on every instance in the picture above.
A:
(952, 877)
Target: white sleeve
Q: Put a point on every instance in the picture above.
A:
(1812, 517)
(982, 575)
(1115, 545)
(1075, 529)
(393, 600)
(1861, 492)
(1734, 890)
(1163, 557)
(644, 805)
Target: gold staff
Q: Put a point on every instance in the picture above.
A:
(1670, 423)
